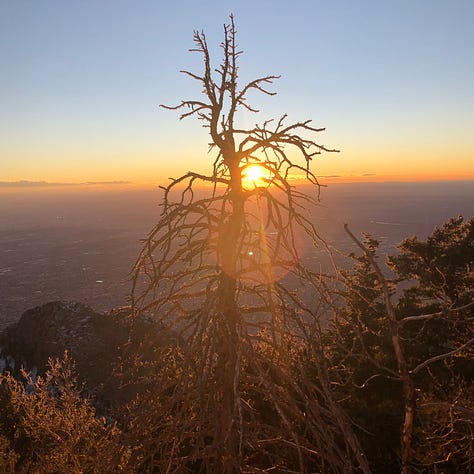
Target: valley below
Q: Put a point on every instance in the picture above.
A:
(80, 245)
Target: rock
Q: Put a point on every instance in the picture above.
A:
(93, 340)
(104, 347)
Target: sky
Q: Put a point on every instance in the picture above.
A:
(81, 83)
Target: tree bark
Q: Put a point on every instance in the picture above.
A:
(228, 368)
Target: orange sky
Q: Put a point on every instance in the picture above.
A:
(82, 83)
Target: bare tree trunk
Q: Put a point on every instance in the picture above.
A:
(409, 396)
(193, 231)
(226, 431)
(228, 369)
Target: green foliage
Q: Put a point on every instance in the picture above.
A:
(440, 274)
(442, 265)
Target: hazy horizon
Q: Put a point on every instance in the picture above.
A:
(325, 182)
(80, 243)
(246, 312)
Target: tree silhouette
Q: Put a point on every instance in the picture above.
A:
(221, 267)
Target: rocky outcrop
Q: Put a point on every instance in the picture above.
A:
(93, 340)
(104, 347)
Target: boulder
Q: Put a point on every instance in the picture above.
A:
(111, 350)
(93, 340)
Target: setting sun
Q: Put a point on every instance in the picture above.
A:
(255, 176)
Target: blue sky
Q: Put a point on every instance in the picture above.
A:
(81, 81)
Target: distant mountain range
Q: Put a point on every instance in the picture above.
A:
(34, 184)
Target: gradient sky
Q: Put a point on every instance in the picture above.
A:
(81, 81)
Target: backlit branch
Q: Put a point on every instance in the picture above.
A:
(221, 267)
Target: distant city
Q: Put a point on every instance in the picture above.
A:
(80, 245)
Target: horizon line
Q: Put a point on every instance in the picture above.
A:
(27, 183)
(332, 180)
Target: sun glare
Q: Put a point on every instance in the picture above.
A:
(255, 176)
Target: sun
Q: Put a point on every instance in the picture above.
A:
(255, 176)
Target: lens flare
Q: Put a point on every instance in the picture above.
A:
(255, 176)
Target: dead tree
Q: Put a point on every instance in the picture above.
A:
(218, 268)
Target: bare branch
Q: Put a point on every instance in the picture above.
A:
(212, 270)
(441, 356)
(439, 314)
